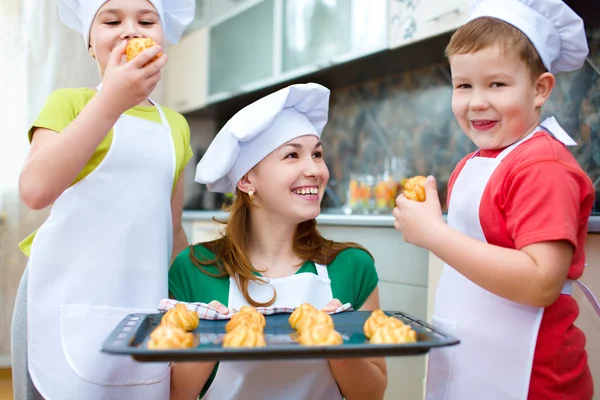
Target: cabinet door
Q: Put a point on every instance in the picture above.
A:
(414, 20)
(185, 73)
(202, 16)
(241, 49)
(322, 31)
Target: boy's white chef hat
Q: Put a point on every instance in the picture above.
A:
(175, 15)
(556, 31)
(260, 128)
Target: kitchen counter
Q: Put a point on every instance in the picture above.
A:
(340, 219)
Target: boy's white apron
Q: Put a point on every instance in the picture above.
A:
(290, 380)
(103, 253)
(498, 336)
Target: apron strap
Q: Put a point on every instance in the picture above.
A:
(568, 290)
(322, 273)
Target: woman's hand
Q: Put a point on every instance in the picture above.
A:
(129, 84)
(219, 307)
(332, 306)
(416, 220)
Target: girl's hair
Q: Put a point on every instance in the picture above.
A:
(485, 32)
(231, 249)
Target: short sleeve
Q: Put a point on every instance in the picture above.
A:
(58, 112)
(179, 279)
(365, 277)
(543, 203)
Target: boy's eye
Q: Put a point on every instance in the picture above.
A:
(113, 23)
(497, 84)
(318, 154)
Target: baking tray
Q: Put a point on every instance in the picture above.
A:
(130, 337)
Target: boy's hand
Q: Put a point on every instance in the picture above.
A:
(418, 220)
(131, 83)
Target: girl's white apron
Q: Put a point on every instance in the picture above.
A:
(103, 253)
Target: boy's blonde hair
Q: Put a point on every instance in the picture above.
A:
(485, 32)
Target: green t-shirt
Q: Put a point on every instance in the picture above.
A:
(353, 278)
(64, 105)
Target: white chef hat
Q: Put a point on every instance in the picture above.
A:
(258, 129)
(175, 15)
(556, 31)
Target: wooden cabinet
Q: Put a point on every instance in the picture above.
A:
(186, 72)
(414, 20)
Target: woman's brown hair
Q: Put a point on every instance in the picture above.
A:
(231, 249)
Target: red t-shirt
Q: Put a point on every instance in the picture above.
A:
(539, 193)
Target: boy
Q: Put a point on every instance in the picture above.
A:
(518, 211)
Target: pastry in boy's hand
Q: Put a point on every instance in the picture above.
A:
(316, 318)
(300, 313)
(376, 319)
(414, 188)
(244, 336)
(169, 336)
(320, 335)
(393, 331)
(136, 45)
(182, 317)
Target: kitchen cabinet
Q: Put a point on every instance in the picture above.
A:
(185, 72)
(202, 16)
(223, 8)
(414, 20)
(325, 32)
(241, 50)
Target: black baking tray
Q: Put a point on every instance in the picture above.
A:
(130, 337)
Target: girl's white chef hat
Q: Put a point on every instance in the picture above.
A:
(260, 128)
(554, 29)
(175, 15)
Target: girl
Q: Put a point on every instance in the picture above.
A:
(110, 162)
(270, 154)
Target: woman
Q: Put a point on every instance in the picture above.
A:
(270, 155)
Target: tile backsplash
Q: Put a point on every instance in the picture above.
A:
(409, 116)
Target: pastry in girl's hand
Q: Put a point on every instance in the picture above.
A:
(315, 318)
(320, 335)
(376, 319)
(393, 331)
(414, 188)
(244, 336)
(182, 317)
(300, 313)
(169, 336)
(136, 45)
(244, 318)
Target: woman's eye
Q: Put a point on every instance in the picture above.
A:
(463, 86)
(318, 154)
(292, 155)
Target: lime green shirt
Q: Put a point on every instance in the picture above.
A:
(353, 278)
(64, 105)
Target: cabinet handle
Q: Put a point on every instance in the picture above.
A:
(447, 13)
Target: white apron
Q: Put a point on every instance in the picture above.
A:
(502, 331)
(104, 252)
(289, 379)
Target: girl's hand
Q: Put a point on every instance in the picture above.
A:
(332, 306)
(131, 83)
(417, 221)
(219, 307)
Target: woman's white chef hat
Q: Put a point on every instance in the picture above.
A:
(258, 129)
(175, 15)
(554, 29)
